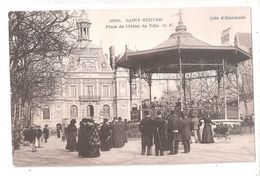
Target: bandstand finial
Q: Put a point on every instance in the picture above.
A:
(180, 27)
(180, 16)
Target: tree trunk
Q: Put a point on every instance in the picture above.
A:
(16, 127)
(16, 113)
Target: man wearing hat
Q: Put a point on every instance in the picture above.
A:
(159, 134)
(45, 133)
(186, 127)
(174, 127)
(146, 129)
(155, 102)
(32, 137)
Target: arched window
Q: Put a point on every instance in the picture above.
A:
(46, 112)
(73, 111)
(90, 111)
(106, 110)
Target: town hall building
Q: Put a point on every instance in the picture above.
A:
(92, 87)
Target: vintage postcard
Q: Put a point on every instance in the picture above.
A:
(132, 86)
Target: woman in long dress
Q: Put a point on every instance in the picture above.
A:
(119, 133)
(106, 136)
(88, 139)
(207, 135)
(71, 132)
(94, 140)
(83, 139)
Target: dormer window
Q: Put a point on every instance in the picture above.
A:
(84, 31)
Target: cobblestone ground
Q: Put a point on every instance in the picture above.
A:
(235, 149)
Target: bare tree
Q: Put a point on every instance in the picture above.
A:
(38, 40)
(245, 83)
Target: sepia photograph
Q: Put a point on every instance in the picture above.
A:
(131, 86)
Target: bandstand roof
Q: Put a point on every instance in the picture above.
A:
(195, 55)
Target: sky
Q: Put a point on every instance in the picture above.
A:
(199, 22)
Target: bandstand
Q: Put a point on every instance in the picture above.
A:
(188, 58)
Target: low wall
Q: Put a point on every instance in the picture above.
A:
(233, 129)
(133, 130)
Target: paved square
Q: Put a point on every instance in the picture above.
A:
(236, 149)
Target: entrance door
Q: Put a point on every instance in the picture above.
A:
(90, 111)
(106, 110)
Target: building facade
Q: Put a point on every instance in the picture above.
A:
(92, 87)
(231, 37)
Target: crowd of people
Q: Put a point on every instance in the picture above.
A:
(88, 140)
(166, 130)
(91, 137)
(35, 135)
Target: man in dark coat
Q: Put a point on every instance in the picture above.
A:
(174, 125)
(155, 103)
(32, 137)
(106, 136)
(159, 134)
(146, 130)
(58, 130)
(186, 127)
(45, 133)
(26, 132)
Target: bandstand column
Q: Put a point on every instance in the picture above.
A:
(219, 86)
(150, 86)
(237, 81)
(131, 93)
(224, 88)
(140, 91)
(184, 88)
(238, 116)
(180, 72)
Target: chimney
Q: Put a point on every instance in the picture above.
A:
(112, 57)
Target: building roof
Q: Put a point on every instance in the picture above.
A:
(244, 41)
(181, 37)
(198, 55)
(89, 59)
